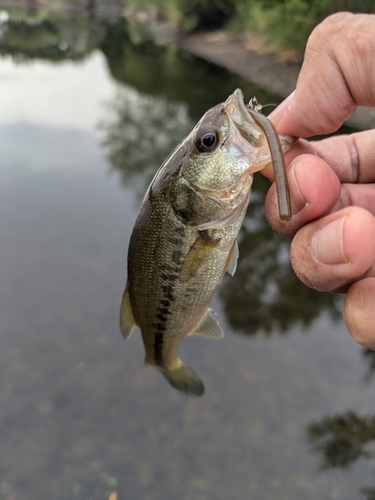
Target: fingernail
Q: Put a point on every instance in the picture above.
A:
(277, 113)
(297, 200)
(328, 243)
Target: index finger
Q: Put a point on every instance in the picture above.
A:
(351, 157)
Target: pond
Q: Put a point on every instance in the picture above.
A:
(89, 109)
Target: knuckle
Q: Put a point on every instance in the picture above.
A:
(325, 34)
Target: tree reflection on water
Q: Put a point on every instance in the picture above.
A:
(139, 131)
(341, 440)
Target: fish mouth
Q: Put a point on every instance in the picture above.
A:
(240, 117)
(256, 128)
(236, 101)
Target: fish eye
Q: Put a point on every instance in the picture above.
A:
(207, 141)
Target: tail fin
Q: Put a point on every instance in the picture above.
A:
(184, 379)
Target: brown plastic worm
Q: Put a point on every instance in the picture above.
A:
(277, 156)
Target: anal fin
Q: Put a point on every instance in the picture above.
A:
(127, 321)
(208, 326)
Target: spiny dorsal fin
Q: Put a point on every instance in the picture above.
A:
(198, 253)
(232, 259)
(127, 321)
(208, 326)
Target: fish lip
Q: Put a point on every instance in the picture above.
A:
(236, 101)
(243, 123)
(240, 101)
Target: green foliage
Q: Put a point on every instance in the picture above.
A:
(190, 15)
(287, 24)
(205, 14)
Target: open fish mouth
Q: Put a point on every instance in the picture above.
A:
(258, 131)
(240, 115)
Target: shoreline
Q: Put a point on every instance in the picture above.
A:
(247, 57)
(243, 53)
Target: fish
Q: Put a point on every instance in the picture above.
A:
(185, 237)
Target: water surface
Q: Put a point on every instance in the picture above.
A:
(81, 136)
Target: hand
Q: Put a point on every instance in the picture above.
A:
(332, 181)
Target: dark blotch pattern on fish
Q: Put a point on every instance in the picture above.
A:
(176, 242)
(176, 257)
(163, 310)
(159, 327)
(159, 348)
(170, 275)
(168, 292)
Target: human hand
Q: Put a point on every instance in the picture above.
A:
(332, 181)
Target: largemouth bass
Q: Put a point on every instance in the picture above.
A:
(184, 239)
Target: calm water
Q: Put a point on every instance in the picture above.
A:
(85, 120)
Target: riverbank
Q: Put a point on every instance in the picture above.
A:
(248, 56)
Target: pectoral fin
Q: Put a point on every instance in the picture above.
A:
(232, 259)
(197, 254)
(127, 322)
(209, 326)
